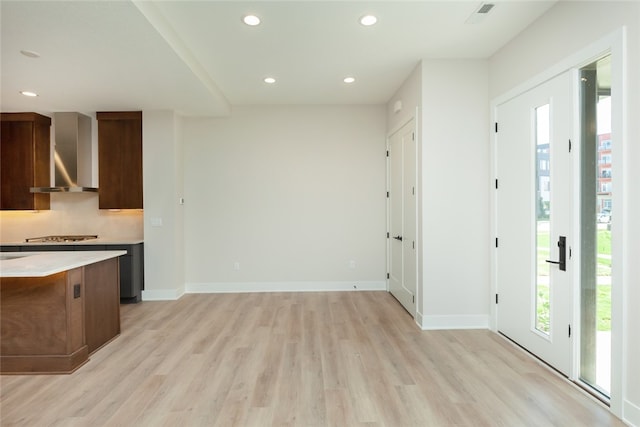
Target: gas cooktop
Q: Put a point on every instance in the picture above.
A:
(60, 239)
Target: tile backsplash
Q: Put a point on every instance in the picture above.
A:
(71, 213)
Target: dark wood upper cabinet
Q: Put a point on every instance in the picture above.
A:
(120, 159)
(25, 160)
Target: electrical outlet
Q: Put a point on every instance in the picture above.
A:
(352, 265)
(236, 266)
(76, 290)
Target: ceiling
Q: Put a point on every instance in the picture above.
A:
(199, 58)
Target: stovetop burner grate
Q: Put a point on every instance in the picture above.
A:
(61, 239)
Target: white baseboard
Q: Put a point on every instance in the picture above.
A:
(162, 294)
(631, 414)
(240, 287)
(462, 321)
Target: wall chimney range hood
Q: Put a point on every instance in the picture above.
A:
(72, 157)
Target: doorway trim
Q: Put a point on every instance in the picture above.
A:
(615, 44)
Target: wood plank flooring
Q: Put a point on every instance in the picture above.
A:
(297, 359)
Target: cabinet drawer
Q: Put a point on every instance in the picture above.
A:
(89, 247)
(46, 248)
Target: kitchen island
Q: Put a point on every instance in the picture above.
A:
(131, 264)
(56, 308)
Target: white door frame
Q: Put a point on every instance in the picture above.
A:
(613, 44)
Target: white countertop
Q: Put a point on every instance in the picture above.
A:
(98, 241)
(40, 264)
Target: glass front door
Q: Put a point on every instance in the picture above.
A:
(535, 213)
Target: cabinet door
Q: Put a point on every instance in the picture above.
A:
(24, 156)
(102, 303)
(120, 160)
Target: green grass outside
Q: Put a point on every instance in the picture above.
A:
(603, 292)
(604, 242)
(603, 308)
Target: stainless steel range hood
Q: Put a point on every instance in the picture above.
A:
(72, 158)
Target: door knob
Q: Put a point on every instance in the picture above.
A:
(398, 238)
(562, 250)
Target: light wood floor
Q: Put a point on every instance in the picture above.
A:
(304, 359)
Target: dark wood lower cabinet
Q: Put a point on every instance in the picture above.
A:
(52, 324)
(102, 303)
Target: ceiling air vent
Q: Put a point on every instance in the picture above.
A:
(480, 13)
(485, 8)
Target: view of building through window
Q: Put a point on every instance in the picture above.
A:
(543, 212)
(603, 245)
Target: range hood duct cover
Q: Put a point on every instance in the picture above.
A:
(72, 157)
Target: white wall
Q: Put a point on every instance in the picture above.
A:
(566, 29)
(163, 214)
(453, 162)
(455, 193)
(410, 97)
(284, 198)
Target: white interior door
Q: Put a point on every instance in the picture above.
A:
(534, 221)
(402, 216)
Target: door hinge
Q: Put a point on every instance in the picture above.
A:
(413, 136)
(387, 275)
(569, 331)
(387, 153)
(569, 145)
(496, 298)
(569, 252)
(496, 127)
(387, 194)
(413, 191)
(496, 183)
(387, 234)
(496, 242)
(413, 298)
(414, 244)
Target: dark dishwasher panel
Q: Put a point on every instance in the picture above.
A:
(131, 285)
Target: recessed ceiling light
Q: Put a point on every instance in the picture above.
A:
(368, 20)
(27, 93)
(349, 79)
(269, 80)
(30, 53)
(251, 20)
